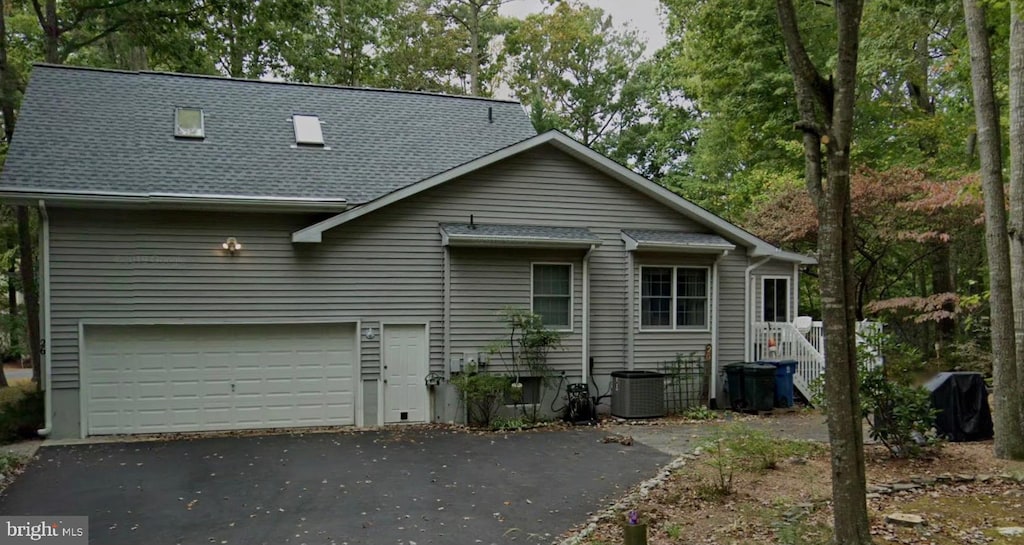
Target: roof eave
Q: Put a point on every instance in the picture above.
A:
(462, 241)
(173, 200)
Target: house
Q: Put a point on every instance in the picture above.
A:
(227, 254)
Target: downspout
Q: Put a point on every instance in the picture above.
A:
(796, 291)
(714, 325)
(44, 286)
(586, 313)
(630, 311)
(446, 288)
(748, 304)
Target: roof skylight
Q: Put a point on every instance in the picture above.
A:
(307, 130)
(189, 123)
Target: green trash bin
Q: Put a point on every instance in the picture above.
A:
(759, 386)
(734, 385)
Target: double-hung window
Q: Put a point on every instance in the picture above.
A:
(674, 298)
(552, 294)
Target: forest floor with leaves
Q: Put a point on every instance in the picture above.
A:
(962, 494)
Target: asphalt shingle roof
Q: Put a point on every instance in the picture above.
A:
(676, 237)
(111, 132)
(522, 232)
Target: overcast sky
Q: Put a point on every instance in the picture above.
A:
(641, 14)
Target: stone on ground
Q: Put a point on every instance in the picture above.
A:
(904, 519)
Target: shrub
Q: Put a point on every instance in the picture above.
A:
(502, 424)
(699, 413)
(21, 414)
(525, 354)
(482, 393)
(720, 457)
(899, 416)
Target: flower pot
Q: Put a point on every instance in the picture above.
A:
(516, 392)
(634, 534)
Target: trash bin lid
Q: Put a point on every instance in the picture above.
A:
(637, 374)
(759, 369)
(777, 363)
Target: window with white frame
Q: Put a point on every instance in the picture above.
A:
(552, 294)
(775, 299)
(674, 298)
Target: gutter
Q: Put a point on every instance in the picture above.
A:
(586, 313)
(748, 304)
(91, 198)
(715, 297)
(44, 297)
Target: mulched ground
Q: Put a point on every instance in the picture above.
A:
(961, 491)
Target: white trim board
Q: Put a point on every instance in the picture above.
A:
(569, 146)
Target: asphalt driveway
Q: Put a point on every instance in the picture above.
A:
(400, 486)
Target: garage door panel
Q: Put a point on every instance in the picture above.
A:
(147, 379)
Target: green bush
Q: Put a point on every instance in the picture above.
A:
(699, 413)
(21, 415)
(899, 416)
(505, 424)
(482, 393)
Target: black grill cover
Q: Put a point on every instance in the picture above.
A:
(962, 402)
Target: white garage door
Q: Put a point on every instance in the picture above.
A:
(161, 378)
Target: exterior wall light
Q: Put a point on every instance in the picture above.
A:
(232, 245)
(369, 333)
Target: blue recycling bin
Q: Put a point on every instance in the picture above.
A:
(784, 371)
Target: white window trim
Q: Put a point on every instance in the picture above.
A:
(675, 327)
(572, 291)
(789, 294)
(202, 124)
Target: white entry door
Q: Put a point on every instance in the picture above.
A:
(405, 361)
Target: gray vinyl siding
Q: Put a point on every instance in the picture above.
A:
(389, 265)
(486, 281)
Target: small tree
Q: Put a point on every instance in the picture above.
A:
(525, 353)
(482, 393)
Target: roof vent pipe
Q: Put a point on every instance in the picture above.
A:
(471, 224)
(490, 114)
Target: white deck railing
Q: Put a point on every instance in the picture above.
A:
(782, 340)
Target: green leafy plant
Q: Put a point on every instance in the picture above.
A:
(899, 415)
(674, 531)
(21, 413)
(505, 424)
(482, 393)
(719, 456)
(525, 354)
(699, 413)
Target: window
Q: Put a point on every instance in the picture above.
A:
(552, 294)
(775, 298)
(307, 130)
(188, 123)
(673, 298)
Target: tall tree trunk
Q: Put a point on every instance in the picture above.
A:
(826, 118)
(1009, 442)
(1016, 230)
(50, 25)
(28, 284)
(474, 48)
(941, 269)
